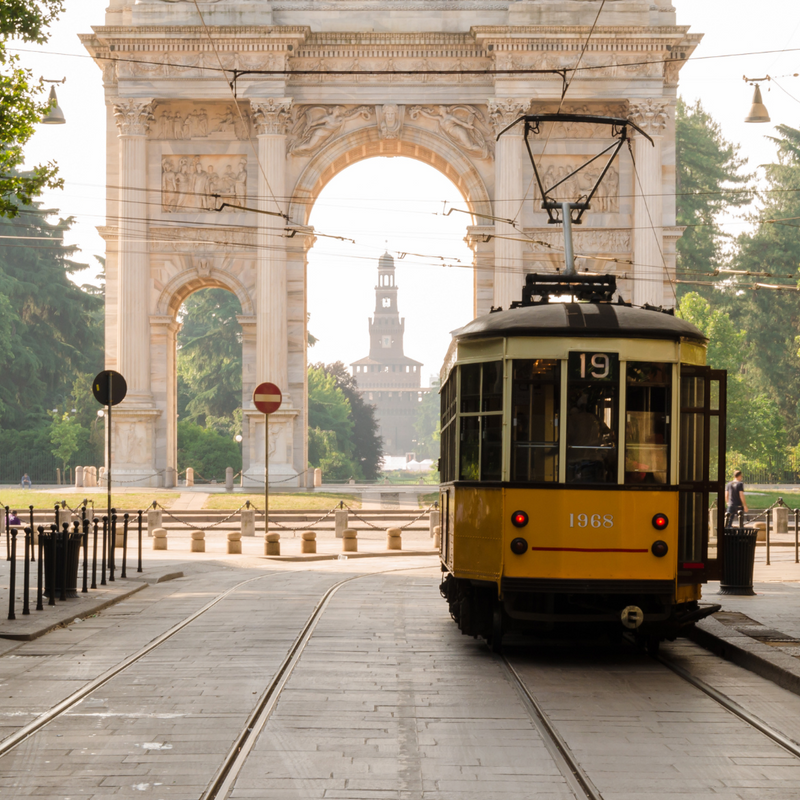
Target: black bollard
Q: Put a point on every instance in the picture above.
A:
(112, 544)
(56, 507)
(39, 587)
(125, 519)
(12, 578)
(33, 528)
(51, 566)
(65, 561)
(103, 560)
(26, 608)
(741, 518)
(139, 568)
(8, 534)
(85, 542)
(94, 553)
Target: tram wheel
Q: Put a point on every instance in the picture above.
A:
(497, 629)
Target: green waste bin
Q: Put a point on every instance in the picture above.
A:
(739, 546)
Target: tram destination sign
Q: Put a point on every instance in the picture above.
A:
(593, 367)
(267, 398)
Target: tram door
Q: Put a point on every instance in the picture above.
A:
(701, 473)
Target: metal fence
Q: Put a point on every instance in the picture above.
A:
(40, 466)
(787, 471)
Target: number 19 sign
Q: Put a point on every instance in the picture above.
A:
(267, 399)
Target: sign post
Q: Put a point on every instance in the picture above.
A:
(109, 389)
(267, 399)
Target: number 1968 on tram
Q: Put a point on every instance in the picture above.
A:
(582, 467)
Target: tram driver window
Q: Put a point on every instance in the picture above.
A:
(534, 420)
(481, 425)
(592, 418)
(647, 417)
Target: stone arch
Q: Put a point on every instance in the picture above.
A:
(190, 281)
(417, 143)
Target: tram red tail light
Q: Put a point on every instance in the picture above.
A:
(660, 522)
(519, 546)
(659, 549)
(519, 519)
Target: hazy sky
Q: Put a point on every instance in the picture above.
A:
(397, 199)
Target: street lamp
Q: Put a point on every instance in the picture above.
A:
(238, 438)
(55, 116)
(758, 111)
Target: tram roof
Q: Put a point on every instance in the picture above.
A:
(601, 320)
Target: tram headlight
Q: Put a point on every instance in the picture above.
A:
(519, 519)
(659, 548)
(519, 546)
(660, 522)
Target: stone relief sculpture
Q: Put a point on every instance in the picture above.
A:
(130, 442)
(315, 125)
(175, 124)
(192, 183)
(390, 120)
(587, 241)
(605, 201)
(464, 126)
(651, 116)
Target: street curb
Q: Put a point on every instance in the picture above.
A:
(768, 662)
(335, 556)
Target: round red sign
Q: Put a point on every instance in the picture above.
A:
(267, 398)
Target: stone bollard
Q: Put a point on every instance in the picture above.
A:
(159, 539)
(780, 519)
(308, 543)
(434, 521)
(394, 539)
(79, 477)
(101, 476)
(317, 478)
(437, 537)
(349, 541)
(248, 522)
(170, 478)
(64, 515)
(340, 522)
(189, 476)
(234, 543)
(228, 479)
(761, 531)
(198, 541)
(94, 477)
(153, 520)
(272, 544)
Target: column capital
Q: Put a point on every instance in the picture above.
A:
(134, 115)
(502, 112)
(271, 116)
(651, 115)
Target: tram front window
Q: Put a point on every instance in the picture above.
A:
(592, 417)
(647, 417)
(481, 424)
(534, 421)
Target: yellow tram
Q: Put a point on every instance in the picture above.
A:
(582, 466)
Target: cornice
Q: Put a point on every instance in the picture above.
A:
(199, 31)
(581, 31)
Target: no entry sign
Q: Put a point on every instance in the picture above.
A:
(267, 398)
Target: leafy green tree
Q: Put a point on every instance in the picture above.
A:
(66, 434)
(207, 452)
(210, 361)
(329, 417)
(21, 103)
(709, 181)
(427, 426)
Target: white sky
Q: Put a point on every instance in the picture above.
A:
(396, 199)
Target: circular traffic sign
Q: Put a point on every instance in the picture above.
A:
(267, 398)
(109, 385)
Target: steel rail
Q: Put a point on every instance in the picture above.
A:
(731, 705)
(578, 780)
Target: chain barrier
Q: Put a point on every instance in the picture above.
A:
(402, 527)
(193, 525)
(301, 527)
(272, 483)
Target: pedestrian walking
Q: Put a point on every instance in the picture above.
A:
(734, 498)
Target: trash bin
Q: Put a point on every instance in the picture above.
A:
(739, 553)
(73, 559)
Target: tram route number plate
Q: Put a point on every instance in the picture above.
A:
(593, 366)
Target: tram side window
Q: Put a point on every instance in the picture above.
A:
(447, 461)
(481, 427)
(647, 418)
(592, 417)
(534, 420)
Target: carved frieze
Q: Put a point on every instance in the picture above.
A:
(605, 241)
(133, 116)
(202, 183)
(555, 169)
(465, 126)
(357, 69)
(201, 240)
(314, 126)
(272, 116)
(503, 112)
(651, 116)
(177, 121)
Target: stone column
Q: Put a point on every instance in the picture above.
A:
(648, 235)
(133, 323)
(508, 189)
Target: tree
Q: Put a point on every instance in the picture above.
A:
(427, 426)
(66, 435)
(19, 100)
(709, 170)
(207, 452)
(210, 361)
(367, 445)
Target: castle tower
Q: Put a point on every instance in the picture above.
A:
(387, 378)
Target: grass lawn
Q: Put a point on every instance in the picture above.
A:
(757, 500)
(20, 499)
(322, 501)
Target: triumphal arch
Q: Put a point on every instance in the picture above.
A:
(222, 110)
